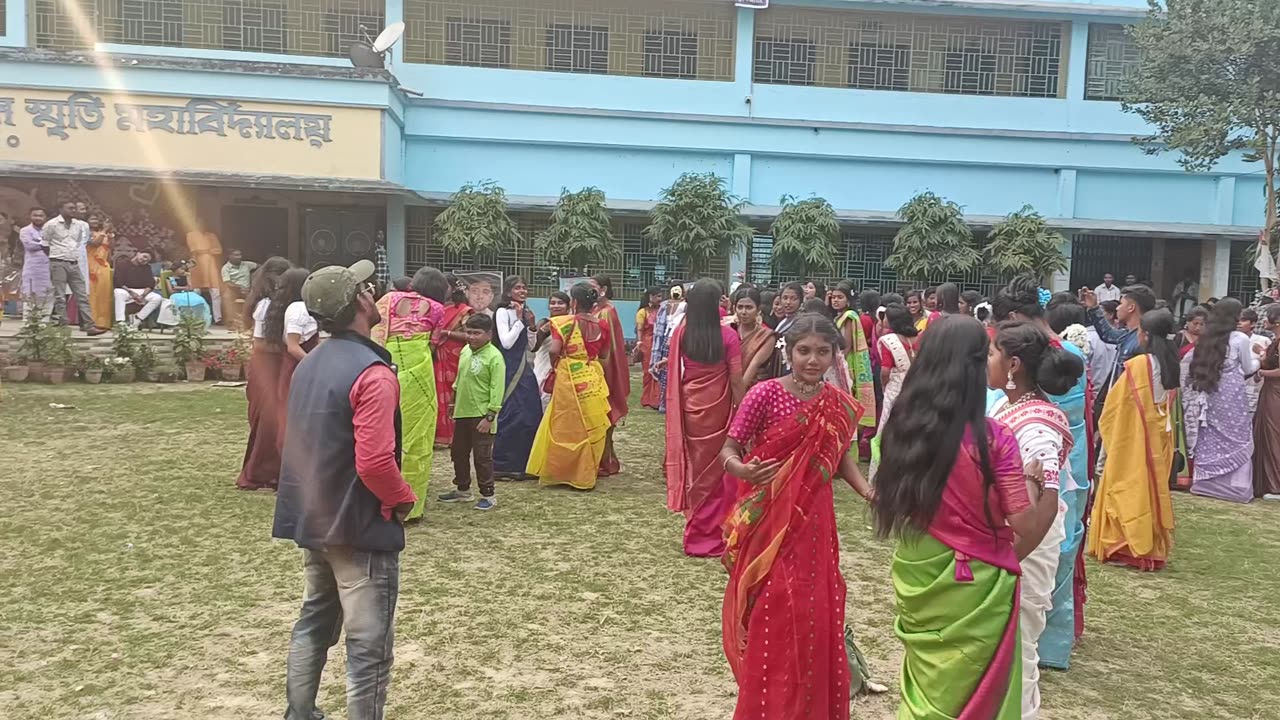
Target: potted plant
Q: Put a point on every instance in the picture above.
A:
(91, 368)
(188, 346)
(14, 371)
(132, 345)
(32, 350)
(57, 352)
(118, 370)
(211, 360)
(232, 358)
(165, 373)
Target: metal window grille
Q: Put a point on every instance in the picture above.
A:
(480, 43)
(861, 261)
(791, 59)
(1092, 256)
(1243, 282)
(577, 48)
(1111, 60)
(915, 53)
(641, 266)
(693, 39)
(299, 27)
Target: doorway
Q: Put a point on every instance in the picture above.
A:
(257, 231)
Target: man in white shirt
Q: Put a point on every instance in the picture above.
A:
(1108, 290)
(1258, 344)
(65, 236)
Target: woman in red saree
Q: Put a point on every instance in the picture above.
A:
(756, 339)
(783, 618)
(962, 528)
(704, 384)
(617, 371)
(448, 340)
(651, 397)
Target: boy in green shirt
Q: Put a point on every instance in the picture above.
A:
(478, 393)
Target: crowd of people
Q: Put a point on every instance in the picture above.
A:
(1007, 439)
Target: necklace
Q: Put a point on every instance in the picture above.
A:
(1026, 397)
(806, 389)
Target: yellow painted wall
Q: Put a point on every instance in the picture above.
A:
(200, 134)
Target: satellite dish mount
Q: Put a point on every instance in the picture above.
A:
(374, 52)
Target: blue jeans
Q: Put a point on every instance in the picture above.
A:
(355, 591)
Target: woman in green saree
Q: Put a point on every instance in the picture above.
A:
(961, 530)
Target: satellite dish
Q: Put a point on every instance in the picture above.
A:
(388, 37)
(373, 53)
(362, 55)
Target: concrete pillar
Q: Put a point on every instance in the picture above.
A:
(15, 21)
(1219, 270)
(1225, 200)
(394, 13)
(395, 235)
(1077, 60)
(740, 185)
(744, 56)
(1061, 281)
(1066, 193)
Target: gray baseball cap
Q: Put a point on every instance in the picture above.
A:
(329, 290)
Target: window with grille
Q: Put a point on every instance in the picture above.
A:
(640, 268)
(790, 61)
(297, 27)
(691, 39)
(914, 53)
(577, 48)
(671, 54)
(481, 43)
(878, 60)
(1243, 282)
(1112, 58)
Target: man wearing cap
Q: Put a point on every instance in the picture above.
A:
(342, 498)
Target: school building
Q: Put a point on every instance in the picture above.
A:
(246, 118)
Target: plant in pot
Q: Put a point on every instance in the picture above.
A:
(91, 368)
(132, 345)
(32, 347)
(212, 362)
(118, 370)
(58, 355)
(165, 373)
(14, 371)
(188, 346)
(233, 358)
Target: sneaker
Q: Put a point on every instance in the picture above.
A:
(487, 503)
(456, 496)
(1271, 496)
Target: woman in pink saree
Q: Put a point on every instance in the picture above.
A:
(704, 384)
(962, 528)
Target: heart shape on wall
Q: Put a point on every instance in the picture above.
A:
(145, 194)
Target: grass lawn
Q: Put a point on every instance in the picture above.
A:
(138, 583)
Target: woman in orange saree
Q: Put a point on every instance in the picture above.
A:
(704, 384)
(101, 299)
(1132, 519)
(617, 371)
(783, 617)
(651, 396)
(448, 342)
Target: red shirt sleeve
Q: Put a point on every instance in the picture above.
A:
(869, 329)
(886, 356)
(374, 398)
(1011, 483)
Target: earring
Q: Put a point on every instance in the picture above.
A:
(1011, 385)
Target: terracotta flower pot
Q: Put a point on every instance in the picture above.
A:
(55, 375)
(195, 371)
(93, 377)
(122, 377)
(231, 373)
(35, 372)
(16, 373)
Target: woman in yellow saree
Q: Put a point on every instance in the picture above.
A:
(1132, 520)
(857, 354)
(571, 437)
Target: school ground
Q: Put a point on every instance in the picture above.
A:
(138, 583)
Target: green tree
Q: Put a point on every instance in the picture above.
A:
(933, 241)
(579, 237)
(1209, 83)
(697, 219)
(476, 222)
(804, 236)
(1023, 243)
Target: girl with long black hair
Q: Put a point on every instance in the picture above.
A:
(962, 526)
(1132, 521)
(704, 384)
(522, 403)
(897, 349)
(261, 467)
(1216, 406)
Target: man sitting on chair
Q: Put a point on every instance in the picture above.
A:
(135, 283)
